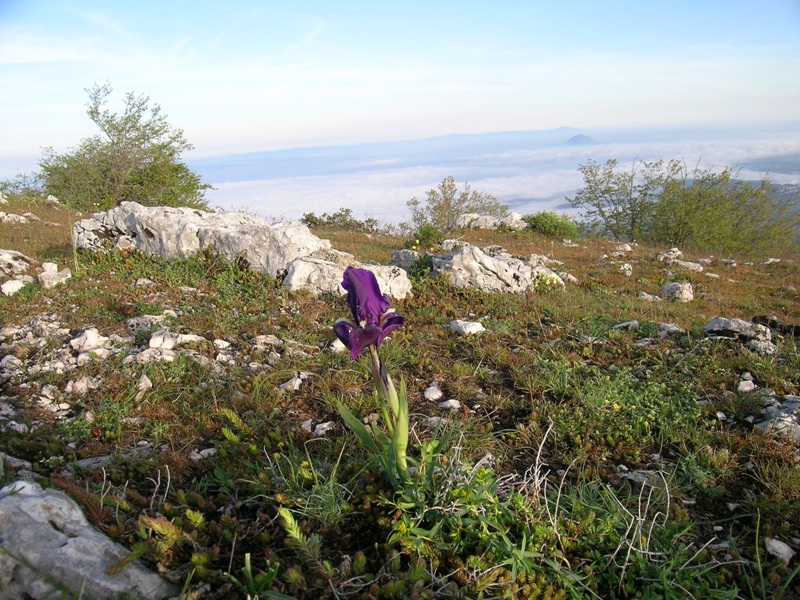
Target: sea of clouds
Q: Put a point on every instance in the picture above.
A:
(372, 181)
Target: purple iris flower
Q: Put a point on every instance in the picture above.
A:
(371, 315)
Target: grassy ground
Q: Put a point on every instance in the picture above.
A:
(527, 495)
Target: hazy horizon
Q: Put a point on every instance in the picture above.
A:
(529, 171)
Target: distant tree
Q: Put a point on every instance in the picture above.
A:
(720, 212)
(622, 202)
(446, 202)
(136, 157)
(672, 204)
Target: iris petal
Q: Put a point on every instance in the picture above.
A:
(361, 337)
(342, 329)
(364, 295)
(389, 322)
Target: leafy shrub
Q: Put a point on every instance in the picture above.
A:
(550, 224)
(422, 268)
(426, 236)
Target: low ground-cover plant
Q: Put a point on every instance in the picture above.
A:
(580, 460)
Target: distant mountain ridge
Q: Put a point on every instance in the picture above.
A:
(373, 156)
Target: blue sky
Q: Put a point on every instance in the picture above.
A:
(239, 75)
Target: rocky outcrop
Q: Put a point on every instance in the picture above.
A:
(51, 551)
(478, 221)
(491, 269)
(180, 232)
(282, 249)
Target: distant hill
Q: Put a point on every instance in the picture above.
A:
(580, 140)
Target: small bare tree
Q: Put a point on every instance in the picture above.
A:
(445, 203)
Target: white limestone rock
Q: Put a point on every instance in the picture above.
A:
(13, 262)
(404, 258)
(466, 327)
(48, 542)
(470, 266)
(433, 393)
(779, 549)
(738, 329)
(180, 232)
(687, 265)
(50, 278)
(678, 291)
(166, 340)
(12, 286)
(90, 341)
(671, 254)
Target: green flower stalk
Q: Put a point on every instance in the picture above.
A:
(372, 322)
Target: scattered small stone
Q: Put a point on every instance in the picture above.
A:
(292, 385)
(762, 347)
(670, 255)
(89, 341)
(338, 346)
(687, 265)
(678, 291)
(166, 340)
(196, 456)
(628, 326)
(433, 393)
(466, 327)
(12, 286)
(641, 477)
(51, 277)
(779, 549)
(450, 405)
(324, 428)
(670, 330)
(745, 386)
(433, 422)
(648, 297)
(82, 385)
(295, 382)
